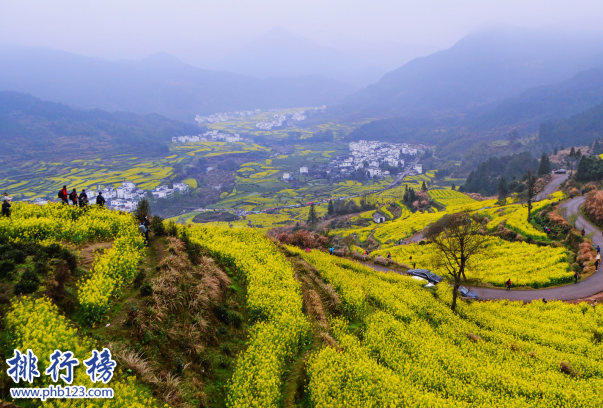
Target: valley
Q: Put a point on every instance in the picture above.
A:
(301, 205)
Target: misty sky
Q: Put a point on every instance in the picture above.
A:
(201, 32)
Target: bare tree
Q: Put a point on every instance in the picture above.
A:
(458, 241)
(532, 191)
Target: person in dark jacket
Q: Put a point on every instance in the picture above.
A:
(509, 284)
(73, 197)
(64, 196)
(100, 201)
(6, 208)
(145, 231)
(83, 199)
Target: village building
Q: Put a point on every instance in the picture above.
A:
(378, 218)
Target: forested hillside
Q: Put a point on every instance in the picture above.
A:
(30, 123)
(545, 103)
(578, 130)
(485, 178)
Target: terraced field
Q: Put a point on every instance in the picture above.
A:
(525, 264)
(34, 179)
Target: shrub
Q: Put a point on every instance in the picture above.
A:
(304, 239)
(6, 269)
(55, 287)
(28, 283)
(146, 289)
(172, 229)
(157, 225)
(18, 256)
(222, 314)
(139, 279)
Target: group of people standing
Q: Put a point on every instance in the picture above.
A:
(81, 199)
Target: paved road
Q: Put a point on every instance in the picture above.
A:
(552, 186)
(583, 289)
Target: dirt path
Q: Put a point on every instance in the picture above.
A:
(88, 252)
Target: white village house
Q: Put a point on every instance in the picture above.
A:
(378, 218)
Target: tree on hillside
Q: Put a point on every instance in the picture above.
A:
(330, 209)
(453, 187)
(312, 216)
(409, 197)
(143, 209)
(545, 165)
(532, 190)
(589, 169)
(572, 152)
(423, 187)
(555, 151)
(458, 241)
(513, 137)
(503, 191)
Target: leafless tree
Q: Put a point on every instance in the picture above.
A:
(458, 241)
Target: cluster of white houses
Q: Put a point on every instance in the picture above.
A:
(126, 197)
(211, 136)
(277, 121)
(225, 117)
(374, 153)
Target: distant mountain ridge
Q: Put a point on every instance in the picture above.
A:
(28, 122)
(281, 53)
(578, 130)
(479, 70)
(159, 84)
(544, 103)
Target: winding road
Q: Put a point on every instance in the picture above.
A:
(584, 288)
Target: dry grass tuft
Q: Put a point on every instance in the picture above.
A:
(473, 337)
(567, 368)
(187, 289)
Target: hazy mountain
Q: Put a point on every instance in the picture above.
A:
(158, 84)
(282, 53)
(29, 123)
(577, 130)
(387, 55)
(545, 103)
(480, 69)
